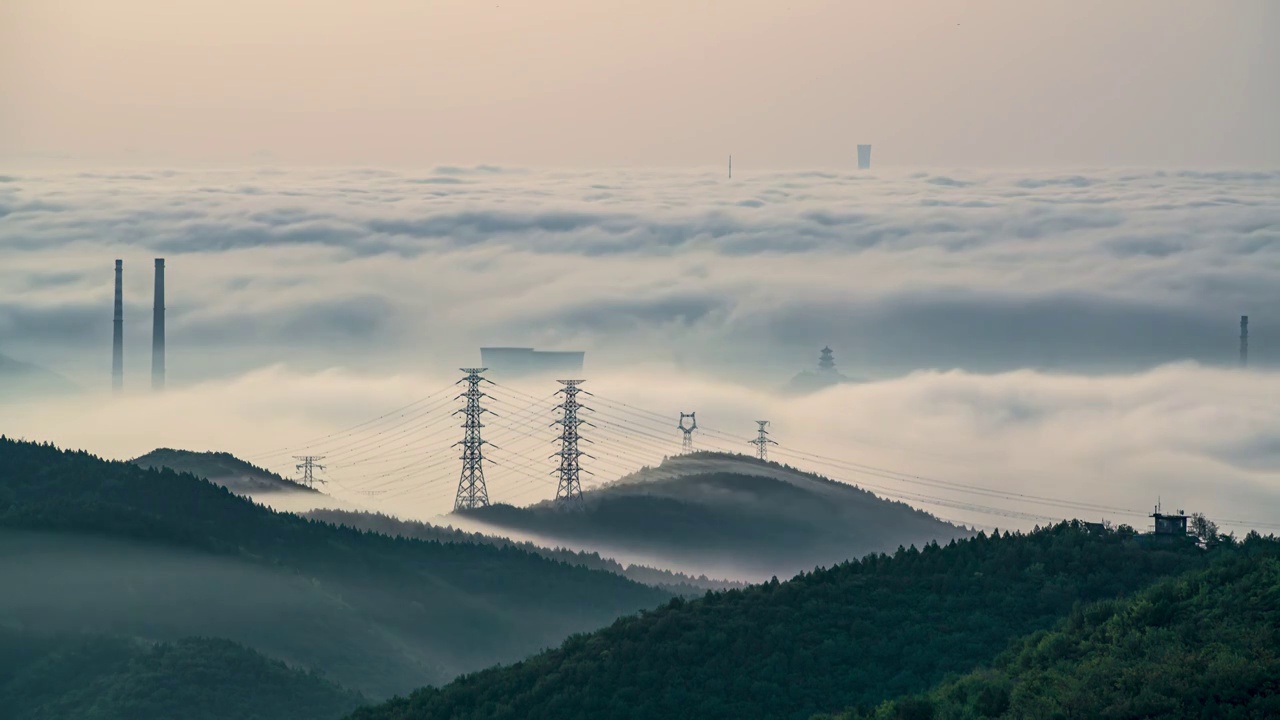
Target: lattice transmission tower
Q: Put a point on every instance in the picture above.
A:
(762, 441)
(686, 444)
(308, 464)
(472, 492)
(569, 489)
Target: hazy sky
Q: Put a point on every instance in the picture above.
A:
(779, 83)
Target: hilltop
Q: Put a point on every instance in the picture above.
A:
(726, 515)
(98, 546)
(220, 468)
(46, 677)
(850, 636)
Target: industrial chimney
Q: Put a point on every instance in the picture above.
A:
(1244, 341)
(117, 338)
(864, 157)
(157, 331)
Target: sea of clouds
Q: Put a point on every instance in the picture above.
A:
(1062, 334)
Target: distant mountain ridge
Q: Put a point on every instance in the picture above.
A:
(92, 545)
(675, 583)
(726, 515)
(220, 468)
(20, 380)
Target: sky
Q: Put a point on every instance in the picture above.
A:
(589, 84)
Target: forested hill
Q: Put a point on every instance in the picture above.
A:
(852, 635)
(1202, 645)
(726, 515)
(220, 468)
(98, 677)
(672, 582)
(91, 545)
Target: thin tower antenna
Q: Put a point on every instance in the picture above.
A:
(730, 167)
(762, 441)
(117, 337)
(308, 465)
(157, 331)
(569, 489)
(472, 492)
(1244, 341)
(686, 445)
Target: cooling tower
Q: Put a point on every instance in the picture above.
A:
(117, 337)
(157, 331)
(864, 157)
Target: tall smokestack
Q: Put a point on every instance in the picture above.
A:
(1244, 341)
(157, 331)
(864, 157)
(117, 338)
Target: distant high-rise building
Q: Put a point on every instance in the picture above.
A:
(864, 157)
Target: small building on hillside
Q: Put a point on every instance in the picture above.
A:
(1172, 525)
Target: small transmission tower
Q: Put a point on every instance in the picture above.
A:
(569, 489)
(686, 445)
(762, 441)
(472, 492)
(308, 464)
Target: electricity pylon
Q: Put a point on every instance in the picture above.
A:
(308, 465)
(762, 441)
(686, 445)
(472, 492)
(569, 489)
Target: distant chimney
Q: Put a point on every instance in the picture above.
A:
(1244, 341)
(157, 331)
(864, 157)
(117, 338)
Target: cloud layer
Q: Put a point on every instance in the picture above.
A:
(1066, 335)
(1090, 271)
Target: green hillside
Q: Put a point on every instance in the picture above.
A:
(1203, 645)
(90, 545)
(97, 677)
(728, 515)
(674, 583)
(853, 635)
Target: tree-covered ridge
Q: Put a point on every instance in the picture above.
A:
(852, 635)
(672, 582)
(716, 514)
(99, 677)
(1202, 645)
(219, 467)
(380, 614)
